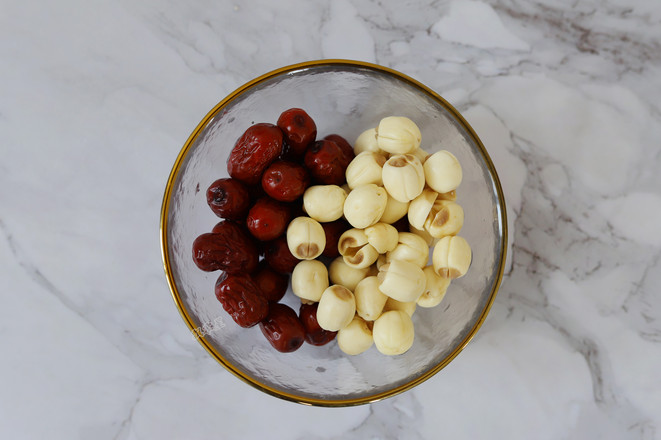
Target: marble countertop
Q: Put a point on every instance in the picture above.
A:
(97, 98)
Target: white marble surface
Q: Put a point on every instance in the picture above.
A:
(97, 98)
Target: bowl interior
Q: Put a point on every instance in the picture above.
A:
(342, 98)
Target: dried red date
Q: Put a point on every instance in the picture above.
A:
(260, 145)
(268, 219)
(241, 298)
(299, 130)
(228, 198)
(282, 328)
(314, 334)
(272, 284)
(333, 230)
(326, 163)
(285, 181)
(344, 145)
(228, 248)
(278, 256)
(219, 226)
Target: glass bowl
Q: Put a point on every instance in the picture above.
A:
(343, 97)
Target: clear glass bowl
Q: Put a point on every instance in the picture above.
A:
(343, 97)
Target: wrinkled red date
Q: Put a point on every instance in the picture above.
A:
(285, 181)
(272, 284)
(282, 328)
(279, 257)
(333, 231)
(344, 145)
(228, 248)
(260, 145)
(314, 334)
(241, 298)
(228, 198)
(326, 162)
(299, 130)
(268, 219)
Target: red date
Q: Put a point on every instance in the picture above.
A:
(260, 145)
(333, 231)
(268, 219)
(228, 198)
(272, 284)
(299, 130)
(326, 163)
(285, 181)
(218, 228)
(279, 257)
(228, 248)
(241, 298)
(344, 145)
(314, 334)
(282, 328)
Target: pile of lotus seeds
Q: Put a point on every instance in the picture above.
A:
(370, 292)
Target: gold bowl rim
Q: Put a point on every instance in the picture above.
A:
(166, 257)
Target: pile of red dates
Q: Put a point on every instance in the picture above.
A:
(270, 168)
